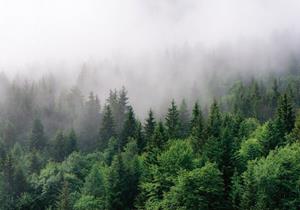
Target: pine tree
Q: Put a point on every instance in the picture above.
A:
(107, 128)
(90, 124)
(94, 183)
(59, 152)
(37, 137)
(197, 127)
(184, 119)
(71, 143)
(285, 117)
(140, 137)
(214, 121)
(149, 126)
(122, 109)
(116, 197)
(129, 129)
(159, 137)
(172, 122)
(9, 135)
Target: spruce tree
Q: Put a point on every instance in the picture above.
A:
(159, 137)
(197, 128)
(71, 143)
(139, 136)
(129, 129)
(285, 117)
(107, 128)
(172, 122)
(149, 126)
(184, 119)
(116, 181)
(37, 137)
(58, 150)
(94, 183)
(214, 121)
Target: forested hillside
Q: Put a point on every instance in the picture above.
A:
(69, 151)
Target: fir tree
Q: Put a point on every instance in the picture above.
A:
(149, 126)
(129, 129)
(37, 137)
(107, 128)
(214, 121)
(285, 117)
(184, 119)
(172, 122)
(71, 143)
(197, 127)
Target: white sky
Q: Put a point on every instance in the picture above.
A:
(42, 31)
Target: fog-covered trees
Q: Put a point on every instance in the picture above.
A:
(241, 153)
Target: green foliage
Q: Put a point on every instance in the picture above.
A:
(184, 119)
(214, 121)
(201, 188)
(172, 122)
(129, 129)
(88, 202)
(243, 157)
(197, 128)
(37, 136)
(107, 129)
(149, 126)
(273, 182)
(250, 150)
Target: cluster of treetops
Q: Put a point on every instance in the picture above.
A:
(242, 153)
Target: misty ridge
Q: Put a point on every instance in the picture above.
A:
(193, 73)
(149, 105)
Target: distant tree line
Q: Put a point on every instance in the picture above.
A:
(68, 153)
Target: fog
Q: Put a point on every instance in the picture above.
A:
(157, 49)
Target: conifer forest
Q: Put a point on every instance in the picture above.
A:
(149, 105)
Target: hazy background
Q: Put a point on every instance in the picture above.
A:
(158, 49)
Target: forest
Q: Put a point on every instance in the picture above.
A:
(241, 151)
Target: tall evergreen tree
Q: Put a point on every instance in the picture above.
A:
(129, 129)
(58, 149)
(116, 197)
(285, 114)
(159, 137)
(71, 143)
(214, 121)
(197, 129)
(90, 123)
(107, 128)
(37, 137)
(149, 126)
(139, 136)
(172, 122)
(184, 119)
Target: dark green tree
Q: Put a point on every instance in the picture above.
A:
(285, 117)
(172, 122)
(159, 137)
(184, 118)
(197, 129)
(71, 143)
(149, 126)
(58, 150)
(37, 136)
(129, 129)
(116, 181)
(107, 128)
(214, 121)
